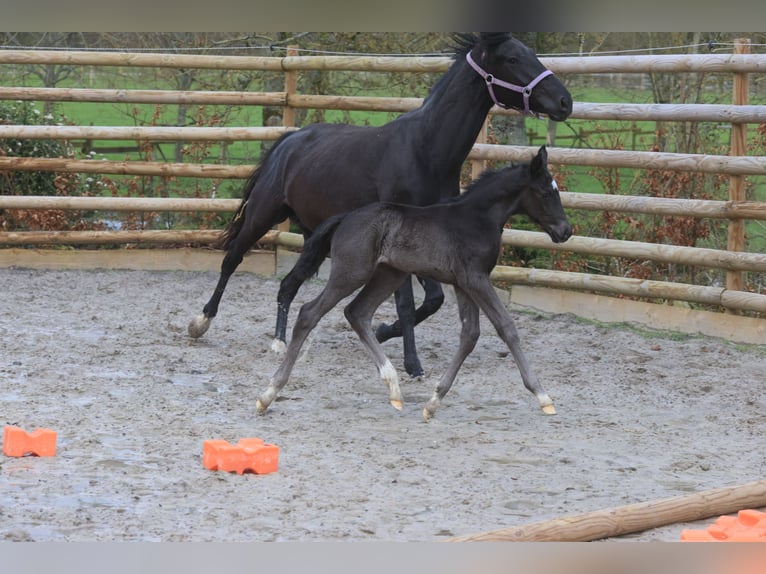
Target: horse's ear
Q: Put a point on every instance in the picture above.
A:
(540, 161)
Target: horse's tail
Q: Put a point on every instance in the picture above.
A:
(233, 228)
(316, 248)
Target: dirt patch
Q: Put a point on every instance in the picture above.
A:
(103, 357)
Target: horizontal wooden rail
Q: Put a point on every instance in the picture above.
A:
(118, 203)
(699, 208)
(143, 96)
(214, 171)
(571, 200)
(144, 133)
(581, 110)
(696, 256)
(726, 63)
(738, 165)
(198, 236)
(720, 296)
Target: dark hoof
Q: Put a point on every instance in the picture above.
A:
(415, 371)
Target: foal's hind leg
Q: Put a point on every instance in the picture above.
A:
(359, 314)
(405, 308)
(484, 294)
(308, 317)
(469, 334)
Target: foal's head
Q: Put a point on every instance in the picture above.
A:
(541, 202)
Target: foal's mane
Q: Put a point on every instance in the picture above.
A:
(482, 178)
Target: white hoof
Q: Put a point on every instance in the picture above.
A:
(198, 326)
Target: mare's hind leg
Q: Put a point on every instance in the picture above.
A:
(434, 297)
(484, 294)
(288, 288)
(259, 219)
(469, 334)
(308, 317)
(405, 309)
(359, 314)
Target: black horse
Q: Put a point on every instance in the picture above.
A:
(456, 241)
(325, 169)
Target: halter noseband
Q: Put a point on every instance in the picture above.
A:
(525, 91)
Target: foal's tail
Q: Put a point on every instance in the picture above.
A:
(231, 231)
(316, 248)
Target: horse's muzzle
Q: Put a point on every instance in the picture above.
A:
(560, 233)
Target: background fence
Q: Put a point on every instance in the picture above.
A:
(736, 164)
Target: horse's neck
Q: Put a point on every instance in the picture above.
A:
(452, 117)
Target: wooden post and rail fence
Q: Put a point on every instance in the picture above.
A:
(737, 165)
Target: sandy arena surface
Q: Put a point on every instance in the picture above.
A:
(103, 358)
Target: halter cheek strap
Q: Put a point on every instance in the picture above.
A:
(525, 91)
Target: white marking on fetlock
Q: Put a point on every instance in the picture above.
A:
(278, 347)
(430, 409)
(265, 400)
(198, 326)
(391, 379)
(546, 404)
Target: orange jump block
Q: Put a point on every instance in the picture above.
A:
(248, 454)
(18, 442)
(747, 526)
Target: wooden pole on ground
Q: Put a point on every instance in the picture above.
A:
(632, 518)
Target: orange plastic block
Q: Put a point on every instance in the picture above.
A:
(18, 442)
(747, 526)
(248, 454)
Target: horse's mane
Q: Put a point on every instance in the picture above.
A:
(462, 43)
(483, 176)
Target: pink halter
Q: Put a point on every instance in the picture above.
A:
(525, 91)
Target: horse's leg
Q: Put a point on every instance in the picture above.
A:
(308, 317)
(259, 219)
(359, 315)
(405, 308)
(484, 294)
(288, 288)
(469, 334)
(434, 297)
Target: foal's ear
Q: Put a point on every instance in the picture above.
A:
(540, 161)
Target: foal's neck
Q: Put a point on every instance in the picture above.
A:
(496, 196)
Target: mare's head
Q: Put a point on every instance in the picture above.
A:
(515, 78)
(541, 201)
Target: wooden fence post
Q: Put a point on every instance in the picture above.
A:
(288, 113)
(736, 234)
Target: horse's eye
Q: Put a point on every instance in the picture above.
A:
(513, 61)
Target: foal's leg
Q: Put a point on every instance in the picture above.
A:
(434, 297)
(469, 334)
(336, 289)
(359, 314)
(484, 294)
